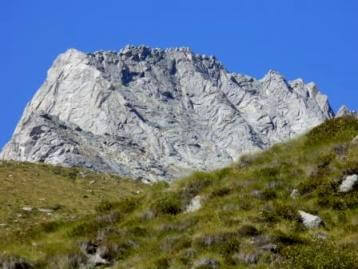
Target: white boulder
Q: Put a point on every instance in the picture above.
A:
(310, 221)
(195, 204)
(348, 183)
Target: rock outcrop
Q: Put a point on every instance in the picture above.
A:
(310, 221)
(345, 111)
(348, 183)
(158, 114)
(194, 205)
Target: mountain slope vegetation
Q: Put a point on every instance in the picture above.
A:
(242, 216)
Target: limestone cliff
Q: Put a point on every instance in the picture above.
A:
(158, 114)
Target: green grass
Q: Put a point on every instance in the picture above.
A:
(246, 210)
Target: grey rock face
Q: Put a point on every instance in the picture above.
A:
(345, 111)
(158, 114)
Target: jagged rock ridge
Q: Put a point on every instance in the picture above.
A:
(345, 111)
(158, 114)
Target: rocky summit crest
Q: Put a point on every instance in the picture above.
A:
(158, 114)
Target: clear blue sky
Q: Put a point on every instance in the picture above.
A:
(316, 40)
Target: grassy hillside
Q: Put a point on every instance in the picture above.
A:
(248, 217)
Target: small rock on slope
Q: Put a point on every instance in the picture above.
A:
(310, 221)
(348, 183)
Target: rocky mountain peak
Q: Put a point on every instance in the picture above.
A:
(158, 114)
(345, 111)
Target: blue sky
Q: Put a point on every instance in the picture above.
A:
(316, 40)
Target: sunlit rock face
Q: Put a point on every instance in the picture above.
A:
(158, 114)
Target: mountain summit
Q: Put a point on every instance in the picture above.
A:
(158, 114)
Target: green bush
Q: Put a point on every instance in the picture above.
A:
(248, 230)
(52, 226)
(168, 203)
(320, 254)
(287, 239)
(162, 263)
(245, 203)
(220, 192)
(309, 185)
(87, 228)
(224, 243)
(268, 173)
(104, 206)
(285, 210)
(267, 215)
(195, 184)
(336, 130)
(268, 194)
(138, 231)
(127, 205)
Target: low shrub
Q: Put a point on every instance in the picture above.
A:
(320, 254)
(267, 215)
(309, 185)
(14, 262)
(162, 263)
(248, 230)
(68, 261)
(52, 226)
(285, 211)
(195, 184)
(220, 192)
(168, 203)
(224, 243)
(87, 228)
(268, 194)
(337, 130)
(127, 205)
(287, 239)
(105, 206)
(267, 173)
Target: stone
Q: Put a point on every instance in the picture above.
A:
(256, 193)
(46, 210)
(148, 215)
(153, 114)
(348, 183)
(270, 247)
(294, 194)
(247, 257)
(97, 260)
(261, 240)
(321, 235)
(14, 263)
(194, 205)
(310, 221)
(209, 263)
(27, 208)
(94, 253)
